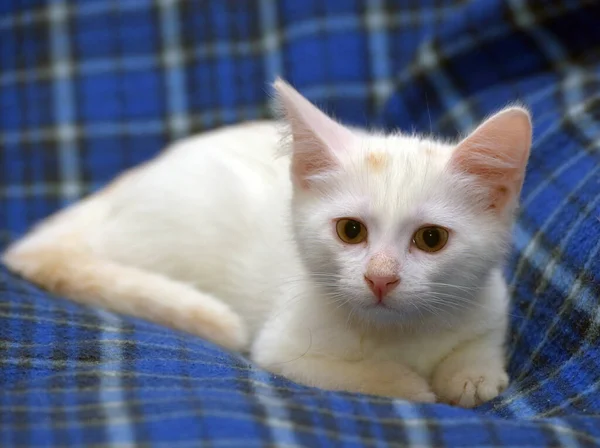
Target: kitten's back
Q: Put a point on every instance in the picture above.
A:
(197, 215)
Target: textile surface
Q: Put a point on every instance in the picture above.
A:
(90, 88)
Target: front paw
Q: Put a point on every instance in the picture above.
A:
(398, 381)
(422, 396)
(470, 386)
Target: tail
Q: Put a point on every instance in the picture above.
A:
(85, 277)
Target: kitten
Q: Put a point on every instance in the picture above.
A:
(349, 261)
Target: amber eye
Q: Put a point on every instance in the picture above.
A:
(351, 231)
(431, 239)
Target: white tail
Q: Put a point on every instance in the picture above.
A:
(82, 276)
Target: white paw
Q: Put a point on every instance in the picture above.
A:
(413, 389)
(234, 334)
(422, 396)
(470, 386)
(397, 381)
(218, 323)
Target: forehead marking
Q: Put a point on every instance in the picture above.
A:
(377, 160)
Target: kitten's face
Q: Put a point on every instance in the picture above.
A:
(393, 236)
(396, 227)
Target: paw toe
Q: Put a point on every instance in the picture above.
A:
(468, 391)
(488, 390)
(468, 397)
(424, 397)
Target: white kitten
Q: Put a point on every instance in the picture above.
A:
(375, 269)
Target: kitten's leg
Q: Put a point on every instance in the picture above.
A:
(387, 379)
(306, 344)
(473, 373)
(93, 280)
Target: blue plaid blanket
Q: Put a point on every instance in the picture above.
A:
(90, 87)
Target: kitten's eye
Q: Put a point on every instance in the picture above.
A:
(351, 231)
(431, 239)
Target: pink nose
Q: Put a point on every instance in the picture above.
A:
(381, 285)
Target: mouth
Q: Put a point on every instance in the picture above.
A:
(379, 306)
(381, 309)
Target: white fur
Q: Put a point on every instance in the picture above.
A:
(212, 237)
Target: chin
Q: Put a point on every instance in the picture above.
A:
(381, 314)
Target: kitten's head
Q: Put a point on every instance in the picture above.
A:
(396, 227)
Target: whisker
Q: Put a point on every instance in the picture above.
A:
(450, 285)
(460, 302)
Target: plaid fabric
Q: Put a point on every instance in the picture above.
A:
(90, 88)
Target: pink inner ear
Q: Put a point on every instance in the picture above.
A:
(480, 161)
(317, 140)
(502, 179)
(497, 153)
(306, 164)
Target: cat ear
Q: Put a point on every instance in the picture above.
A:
(497, 153)
(317, 139)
